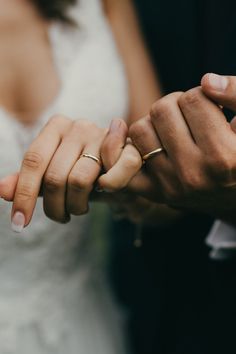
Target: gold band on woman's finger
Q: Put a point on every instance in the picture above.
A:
(152, 153)
(92, 157)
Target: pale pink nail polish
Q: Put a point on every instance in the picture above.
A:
(18, 222)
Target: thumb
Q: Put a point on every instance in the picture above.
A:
(221, 89)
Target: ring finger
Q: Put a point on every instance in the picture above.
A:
(146, 140)
(82, 178)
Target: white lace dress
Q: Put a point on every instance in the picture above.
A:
(53, 297)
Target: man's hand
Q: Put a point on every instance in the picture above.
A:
(197, 169)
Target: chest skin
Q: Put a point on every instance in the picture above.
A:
(28, 78)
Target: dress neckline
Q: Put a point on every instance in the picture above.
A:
(53, 28)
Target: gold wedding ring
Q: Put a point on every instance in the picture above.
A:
(152, 153)
(92, 157)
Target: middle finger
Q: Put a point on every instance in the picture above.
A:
(55, 179)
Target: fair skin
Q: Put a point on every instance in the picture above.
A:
(52, 165)
(195, 172)
(25, 52)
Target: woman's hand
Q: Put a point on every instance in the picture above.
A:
(54, 168)
(55, 164)
(121, 160)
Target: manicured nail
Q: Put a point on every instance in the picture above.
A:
(99, 189)
(18, 222)
(108, 190)
(217, 82)
(115, 125)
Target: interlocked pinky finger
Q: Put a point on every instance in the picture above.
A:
(119, 176)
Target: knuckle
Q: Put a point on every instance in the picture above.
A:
(159, 108)
(83, 124)
(58, 119)
(32, 160)
(58, 124)
(191, 97)
(79, 182)
(53, 182)
(138, 129)
(192, 173)
(222, 168)
(90, 129)
(192, 181)
(163, 107)
(25, 193)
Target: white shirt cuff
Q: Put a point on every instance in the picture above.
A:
(222, 240)
(222, 235)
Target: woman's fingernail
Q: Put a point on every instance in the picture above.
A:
(115, 125)
(108, 190)
(218, 82)
(99, 189)
(18, 222)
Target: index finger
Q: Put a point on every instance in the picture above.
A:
(34, 165)
(8, 186)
